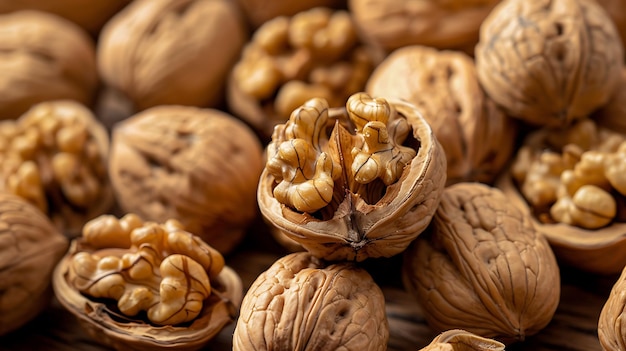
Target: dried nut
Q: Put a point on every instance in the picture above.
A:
(611, 329)
(461, 340)
(168, 287)
(483, 267)
(153, 51)
(56, 157)
(30, 247)
(612, 115)
(591, 207)
(477, 137)
(616, 9)
(303, 303)
(314, 53)
(259, 12)
(91, 17)
(199, 166)
(392, 24)
(615, 171)
(355, 182)
(44, 57)
(549, 62)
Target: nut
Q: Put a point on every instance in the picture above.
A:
(152, 51)
(45, 57)
(355, 182)
(612, 115)
(199, 166)
(303, 303)
(611, 330)
(314, 53)
(483, 267)
(55, 156)
(461, 340)
(119, 268)
(616, 9)
(259, 12)
(30, 246)
(477, 137)
(549, 62)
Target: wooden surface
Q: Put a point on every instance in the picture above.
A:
(572, 328)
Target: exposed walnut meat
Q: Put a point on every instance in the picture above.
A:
(611, 329)
(55, 156)
(140, 285)
(354, 182)
(477, 136)
(199, 166)
(549, 62)
(483, 267)
(314, 53)
(461, 340)
(30, 247)
(171, 52)
(303, 303)
(44, 57)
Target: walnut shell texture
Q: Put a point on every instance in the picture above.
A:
(461, 340)
(30, 247)
(611, 326)
(161, 52)
(613, 114)
(483, 267)
(302, 303)
(261, 11)
(50, 58)
(199, 166)
(549, 62)
(476, 136)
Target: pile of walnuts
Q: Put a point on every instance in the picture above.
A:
(143, 142)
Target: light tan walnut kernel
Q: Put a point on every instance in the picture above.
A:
(303, 303)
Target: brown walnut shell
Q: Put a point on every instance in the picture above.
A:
(360, 221)
(261, 11)
(611, 326)
(613, 114)
(162, 52)
(30, 247)
(476, 136)
(483, 267)
(303, 303)
(616, 9)
(549, 62)
(461, 340)
(199, 166)
(45, 57)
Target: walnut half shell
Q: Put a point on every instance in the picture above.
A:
(355, 182)
(461, 340)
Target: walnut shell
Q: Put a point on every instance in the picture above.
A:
(461, 340)
(261, 11)
(353, 192)
(549, 62)
(45, 57)
(30, 247)
(483, 267)
(199, 166)
(441, 24)
(477, 137)
(302, 303)
(133, 245)
(611, 329)
(162, 52)
(616, 9)
(613, 114)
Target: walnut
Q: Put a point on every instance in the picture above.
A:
(314, 53)
(611, 329)
(451, 24)
(171, 52)
(549, 62)
(30, 246)
(145, 285)
(260, 11)
(461, 340)
(355, 182)
(613, 114)
(199, 166)
(477, 137)
(571, 181)
(44, 57)
(616, 9)
(55, 156)
(483, 267)
(303, 303)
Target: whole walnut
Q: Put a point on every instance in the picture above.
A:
(476, 136)
(611, 326)
(55, 156)
(199, 166)
(159, 52)
(616, 9)
(303, 303)
(141, 285)
(613, 114)
(261, 11)
(30, 247)
(391, 24)
(461, 340)
(89, 14)
(353, 182)
(483, 267)
(549, 62)
(45, 57)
